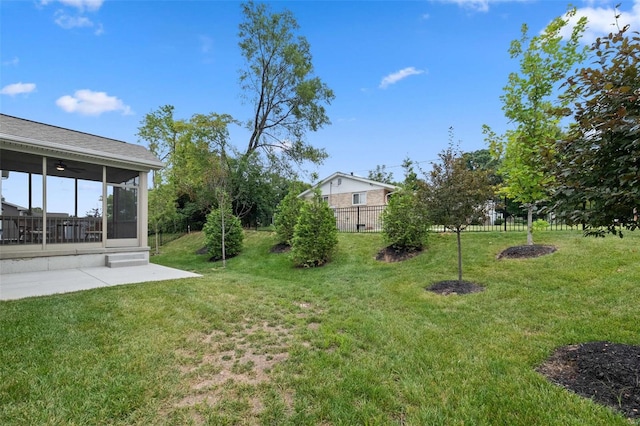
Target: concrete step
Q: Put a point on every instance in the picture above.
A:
(120, 260)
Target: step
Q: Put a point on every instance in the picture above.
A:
(120, 260)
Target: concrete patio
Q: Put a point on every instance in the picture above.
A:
(44, 283)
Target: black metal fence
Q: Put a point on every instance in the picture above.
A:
(359, 218)
(369, 219)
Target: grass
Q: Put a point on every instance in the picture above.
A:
(354, 342)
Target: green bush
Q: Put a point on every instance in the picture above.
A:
(315, 235)
(233, 235)
(404, 223)
(540, 225)
(498, 221)
(286, 215)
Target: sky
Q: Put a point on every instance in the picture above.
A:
(403, 72)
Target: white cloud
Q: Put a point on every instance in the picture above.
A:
(81, 5)
(67, 21)
(76, 19)
(12, 62)
(18, 88)
(477, 5)
(395, 77)
(88, 102)
(601, 21)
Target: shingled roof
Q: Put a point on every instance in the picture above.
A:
(40, 135)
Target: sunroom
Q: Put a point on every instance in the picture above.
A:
(69, 198)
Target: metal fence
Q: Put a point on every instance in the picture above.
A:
(369, 219)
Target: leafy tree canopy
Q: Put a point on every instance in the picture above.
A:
(454, 195)
(530, 101)
(278, 80)
(380, 174)
(598, 162)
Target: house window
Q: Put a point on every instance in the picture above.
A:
(325, 198)
(359, 198)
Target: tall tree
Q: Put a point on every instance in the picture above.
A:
(529, 101)
(380, 174)
(455, 195)
(598, 167)
(161, 132)
(278, 80)
(194, 153)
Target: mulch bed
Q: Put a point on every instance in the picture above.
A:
(454, 287)
(205, 250)
(609, 373)
(390, 254)
(280, 248)
(524, 252)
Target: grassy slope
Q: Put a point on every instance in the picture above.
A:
(366, 343)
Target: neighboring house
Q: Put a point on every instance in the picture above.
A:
(110, 176)
(357, 201)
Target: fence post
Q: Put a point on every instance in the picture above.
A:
(358, 219)
(505, 214)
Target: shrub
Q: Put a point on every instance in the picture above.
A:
(404, 224)
(286, 215)
(315, 235)
(540, 225)
(498, 221)
(233, 235)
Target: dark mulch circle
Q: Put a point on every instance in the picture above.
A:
(609, 373)
(205, 250)
(280, 248)
(391, 254)
(524, 252)
(455, 287)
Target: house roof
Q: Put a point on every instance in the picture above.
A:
(352, 177)
(39, 135)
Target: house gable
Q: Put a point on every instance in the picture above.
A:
(341, 189)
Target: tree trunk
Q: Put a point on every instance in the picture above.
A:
(224, 257)
(529, 224)
(459, 257)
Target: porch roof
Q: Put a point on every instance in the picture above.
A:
(44, 136)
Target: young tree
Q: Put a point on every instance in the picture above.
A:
(455, 195)
(315, 235)
(278, 80)
(287, 214)
(223, 233)
(405, 226)
(598, 163)
(528, 101)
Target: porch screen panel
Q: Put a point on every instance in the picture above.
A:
(122, 203)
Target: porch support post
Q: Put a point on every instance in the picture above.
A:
(44, 203)
(104, 206)
(143, 210)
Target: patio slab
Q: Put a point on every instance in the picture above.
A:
(44, 283)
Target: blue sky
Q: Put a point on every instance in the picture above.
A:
(402, 72)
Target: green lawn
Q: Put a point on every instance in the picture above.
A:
(354, 342)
